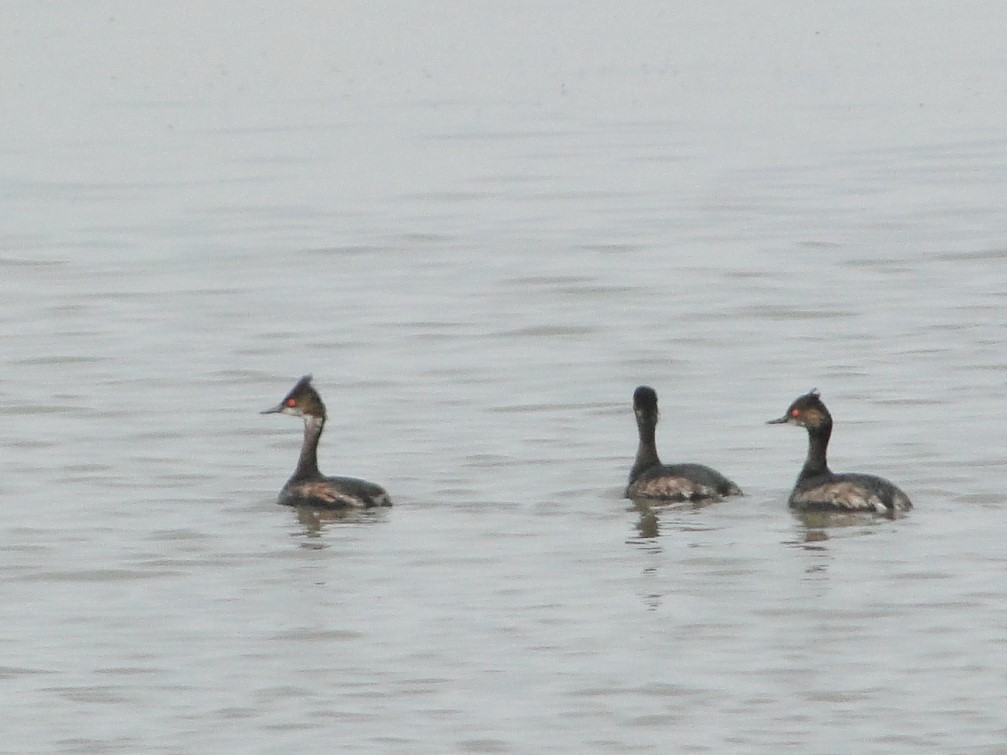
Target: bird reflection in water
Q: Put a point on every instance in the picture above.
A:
(315, 520)
(817, 523)
(648, 523)
(816, 528)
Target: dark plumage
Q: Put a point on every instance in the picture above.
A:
(651, 479)
(307, 486)
(817, 487)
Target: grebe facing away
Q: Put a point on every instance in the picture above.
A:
(308, 486)
(817, 487)
(651, 479)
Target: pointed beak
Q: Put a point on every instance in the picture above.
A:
(779, 421)
(278, 409)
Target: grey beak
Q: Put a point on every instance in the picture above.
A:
(278, 409)
(781, 421)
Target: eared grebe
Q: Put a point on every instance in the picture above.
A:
(819, 489)
(308, 486)
(649, 478)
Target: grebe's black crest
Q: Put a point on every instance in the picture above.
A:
(817, 487)
(302, 399)
(650, 479)
(806, 411)
(645, 400)
(308, 486)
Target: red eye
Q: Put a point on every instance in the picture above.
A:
(795, 412)
(291, 402)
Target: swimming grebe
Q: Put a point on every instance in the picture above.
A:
(819, 489)
(649, 478)
(308, 486)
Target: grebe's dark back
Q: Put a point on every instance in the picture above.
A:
(308, 486)
(651, 479)
(817, 487)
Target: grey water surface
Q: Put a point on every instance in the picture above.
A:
(481, 226)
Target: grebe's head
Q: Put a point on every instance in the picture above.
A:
(302, 400)
(645, 403)
(806, 411)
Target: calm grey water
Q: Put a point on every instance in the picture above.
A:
(481, 226)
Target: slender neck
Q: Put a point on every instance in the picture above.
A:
(646, 452)
(818, 442)
(307, 463)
